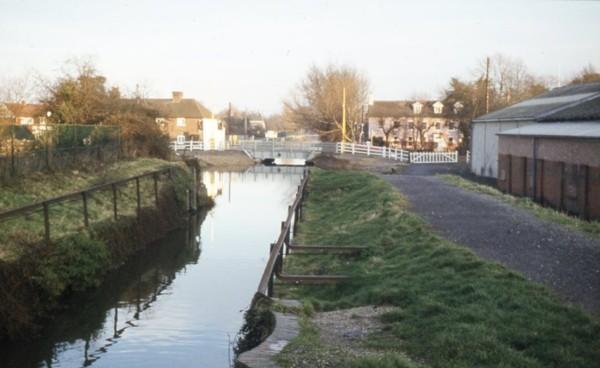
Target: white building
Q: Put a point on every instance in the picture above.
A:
(213, 134)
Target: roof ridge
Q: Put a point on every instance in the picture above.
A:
(568, 106)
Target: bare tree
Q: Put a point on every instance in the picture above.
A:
(317, 104)
(586, 75)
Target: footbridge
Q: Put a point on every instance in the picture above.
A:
(300, 150)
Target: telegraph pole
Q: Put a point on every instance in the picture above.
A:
(344, 115)
(487, 85)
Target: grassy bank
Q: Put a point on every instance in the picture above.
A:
(544, 213)
(453, 308)
(34, 276)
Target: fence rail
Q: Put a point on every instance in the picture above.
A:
(433, 157)
(370, 150)
(390, 153)
(288, 227)
(84, 196)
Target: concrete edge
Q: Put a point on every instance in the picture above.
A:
(286, 328)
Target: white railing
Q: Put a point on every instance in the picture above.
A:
(190, 145)
(433, 157)
(468, 156)
(370, 150)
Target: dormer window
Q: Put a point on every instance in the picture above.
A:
(417, 107)
(458, 106)
(438, 107)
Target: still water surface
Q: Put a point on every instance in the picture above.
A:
(180, 303)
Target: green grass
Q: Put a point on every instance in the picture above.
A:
(544, 213)
(455, 309)
(66, 218)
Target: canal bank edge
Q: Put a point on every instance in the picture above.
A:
(32, 287)
(283, 326)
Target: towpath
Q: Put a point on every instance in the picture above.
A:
(565, 260)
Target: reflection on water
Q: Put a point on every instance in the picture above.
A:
(179, 303)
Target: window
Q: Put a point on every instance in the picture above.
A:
(438, 107)
(438, 125)
(417, 107)
(452, 125)
(411, 125)
(180, 122)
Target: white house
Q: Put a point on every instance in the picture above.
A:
(485, 129)
(213, 134)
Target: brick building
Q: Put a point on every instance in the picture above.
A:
(180, 116)
(413, 125)
(555, 162)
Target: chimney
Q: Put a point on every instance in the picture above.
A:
(177, 96)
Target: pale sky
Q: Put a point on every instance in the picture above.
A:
(253, 53)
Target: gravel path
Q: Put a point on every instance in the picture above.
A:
(562, 259)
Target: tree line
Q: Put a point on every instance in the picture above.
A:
(80, 96)
(496, 82)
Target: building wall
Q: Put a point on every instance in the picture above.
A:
(192, 128)
(484, 146)
(404, 137)
(565, 174)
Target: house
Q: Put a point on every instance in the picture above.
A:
(213, 134)
(564, 104)
(555, 161)
(178, 116)
(413, 125)
(24, 113)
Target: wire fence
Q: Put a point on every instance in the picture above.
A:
(31, 148)
(68, 214)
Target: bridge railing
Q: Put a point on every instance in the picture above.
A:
(190, 145)
(370, 150)
(433, 157)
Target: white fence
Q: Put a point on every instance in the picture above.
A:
(433, 157)
(255, 146)
(369, 150)
(190, 145)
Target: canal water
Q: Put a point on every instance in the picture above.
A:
(181, 302)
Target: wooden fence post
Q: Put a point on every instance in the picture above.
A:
(270, 284)
(85, 209)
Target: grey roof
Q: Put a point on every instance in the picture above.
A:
(563, 129)
(551, 103)
(400, 109)
(588, 110)
(184, 108)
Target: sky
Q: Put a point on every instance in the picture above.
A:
(254, 53)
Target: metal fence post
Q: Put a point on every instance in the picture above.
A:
(46, 223)
(85, 209)
(155, 177)
(137, 193)
(114, 192)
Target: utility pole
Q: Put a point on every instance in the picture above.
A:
(487, 85)
(344, 115)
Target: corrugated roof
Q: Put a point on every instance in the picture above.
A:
(589, 110)
(563, 129)
(399, 109)
(184, 108)
(548, 104)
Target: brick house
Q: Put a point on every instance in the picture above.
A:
(413, 125)
(180, 116)
(23, 113)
